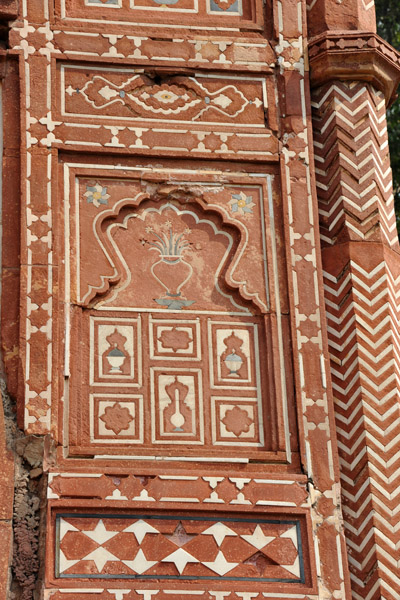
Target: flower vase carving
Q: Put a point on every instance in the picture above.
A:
(177, 414)
(233, 359)
(171, 271)
(115, 357)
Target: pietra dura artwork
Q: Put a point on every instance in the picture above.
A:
(165, 328)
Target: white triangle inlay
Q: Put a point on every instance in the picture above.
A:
(65, 527)
(65, 563)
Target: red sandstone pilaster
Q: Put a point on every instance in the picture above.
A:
(354, 76)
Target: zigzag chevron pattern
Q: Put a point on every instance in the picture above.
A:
(362, 311)
(362, 298)
(352, 164)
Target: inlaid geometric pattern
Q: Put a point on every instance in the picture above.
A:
(134, 398)
(178, 548)
(354, 178)
(362, 305)
(362, 310)
(128, 94)
(124, 107)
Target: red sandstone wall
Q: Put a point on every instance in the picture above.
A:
(164, 328)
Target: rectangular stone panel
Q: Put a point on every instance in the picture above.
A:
(177, 406)
(202, 52)
(237, 421)
(176, 14)
(237, 344)
(115, 352)
(250, 490)
(179, 548)
(174, 344)
(172, 339)
(118, 93)
(204, 114)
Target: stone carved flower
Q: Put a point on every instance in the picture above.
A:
(117, 418)
(96, 194)
(241, 204)
(237, 421)
(165, 99)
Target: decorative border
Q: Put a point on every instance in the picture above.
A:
(255, 520)
(176, 488)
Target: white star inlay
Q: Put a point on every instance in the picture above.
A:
(258, 539)
(140, 528)
(100, 534)
(219, 531)
(220, 565)
(100, 556)
(140, 564)
(180, 558)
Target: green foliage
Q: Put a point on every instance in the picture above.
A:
(388, 21)
(388, 25)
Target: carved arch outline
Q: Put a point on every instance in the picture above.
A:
(178, 195)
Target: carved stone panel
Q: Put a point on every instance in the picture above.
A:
(173, 317)
(118, 108)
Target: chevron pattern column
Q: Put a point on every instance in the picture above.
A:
(361, 264)
(352, 164)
